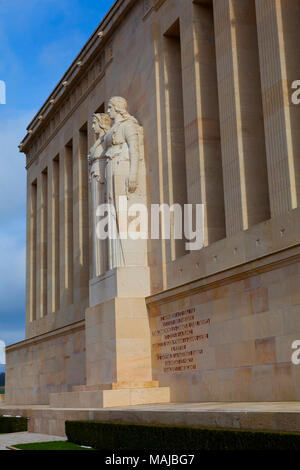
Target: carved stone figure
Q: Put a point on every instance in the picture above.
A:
(124, 152)
(117, 164)
(123, 140)
(97, 162)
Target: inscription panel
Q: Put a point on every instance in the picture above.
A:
(179, 340)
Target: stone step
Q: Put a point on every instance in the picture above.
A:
(116, 386)
(110, 398)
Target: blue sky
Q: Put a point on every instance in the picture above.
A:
(38, 41)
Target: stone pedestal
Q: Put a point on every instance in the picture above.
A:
(118, 345)
(127, 281)
(117, 328)
(118, 342)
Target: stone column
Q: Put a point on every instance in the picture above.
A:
(38, 248)
(96, 263)
(278, 34)
(241, 115)
(53, 236)
(28, 261)
(66, 226)
(80, 217)
(41, 262)
(31, 255)
(44, 245)
(201, 118)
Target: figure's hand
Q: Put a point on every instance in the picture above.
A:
(131, 184)
(101, 179)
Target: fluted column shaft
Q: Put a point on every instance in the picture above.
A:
(201, 118)
(80, 216)
(241, 115)
(278, 27)
(66, 226)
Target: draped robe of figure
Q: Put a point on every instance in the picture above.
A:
(97, 187)
(122, 147)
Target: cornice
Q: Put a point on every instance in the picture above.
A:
(46, 336)
(40, 146)
(152, 5)
(76, 73)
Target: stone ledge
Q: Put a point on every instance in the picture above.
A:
(46, 336)
(273, 416)
(244, 270)
(245, 250)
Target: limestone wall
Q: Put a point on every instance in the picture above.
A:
(228, 337)
(209, 81)
(50, 363)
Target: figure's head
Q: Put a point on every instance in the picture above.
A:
(101, 123)
(117, 106)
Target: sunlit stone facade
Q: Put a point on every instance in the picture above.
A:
(210, 84)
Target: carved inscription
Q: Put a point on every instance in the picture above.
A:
(179, 340)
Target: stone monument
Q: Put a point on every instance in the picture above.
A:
(118, 340)
(207, 120)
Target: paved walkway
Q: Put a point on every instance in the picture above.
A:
(25, 438)
(261, 406)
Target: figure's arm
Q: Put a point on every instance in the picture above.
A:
(132, 139)
(102, 166)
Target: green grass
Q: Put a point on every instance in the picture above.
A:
(2, 390)
(55, 445)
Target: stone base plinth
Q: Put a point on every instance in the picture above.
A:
(118, 343)
(115, 386)
(110, 398)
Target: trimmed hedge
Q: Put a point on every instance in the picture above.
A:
(103, 435)
(8, 425)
